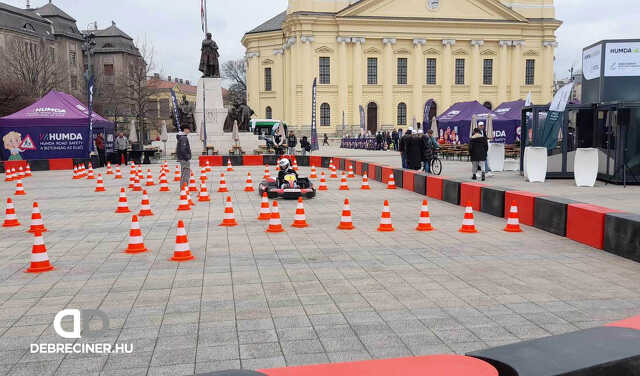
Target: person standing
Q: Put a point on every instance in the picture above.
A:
(427, 151)
(183, 154)
(292, 141)
(478, 147)
(483, 131)
(395, 137)
(402, 147)
(325, 140)
(305, 145)
(100, 148)
(415, 151)
(122, 144)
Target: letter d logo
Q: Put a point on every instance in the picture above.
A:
(76, 323)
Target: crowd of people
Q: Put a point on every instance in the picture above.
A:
(417, 149)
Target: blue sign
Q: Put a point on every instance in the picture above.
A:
(44, 142)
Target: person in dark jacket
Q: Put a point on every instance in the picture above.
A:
(402, 147)
(292, 141)
(395, 138)
(428, 150)
(414, 148)
(379, 141)
(478, 147)
(183, 154)
(305, 145)
(101, 149)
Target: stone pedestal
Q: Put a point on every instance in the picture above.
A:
(209, 106)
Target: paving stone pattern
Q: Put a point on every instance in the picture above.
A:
(256, 300)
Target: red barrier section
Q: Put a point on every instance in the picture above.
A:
(434, 186)
(315, 160)
(526, 204)
(336, 162)
(631, 322)
(407, 180)
(61, 164)
(585, 223)
(214, 160)
(434, 365)
(358, 169)
(252, 160)
(371, 174)
(17, 164)
(386, 171)
(471, 192)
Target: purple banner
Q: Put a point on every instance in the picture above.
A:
(44, 142)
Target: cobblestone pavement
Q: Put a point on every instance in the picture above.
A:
(316, 295)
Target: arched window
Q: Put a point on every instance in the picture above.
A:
(28, 27)
(268, 112)
(325, 115)
(402, 114)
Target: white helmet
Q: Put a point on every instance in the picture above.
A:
(284, 164)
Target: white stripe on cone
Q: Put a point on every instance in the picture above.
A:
(39, 257)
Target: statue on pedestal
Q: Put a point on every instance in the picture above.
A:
(185, 114)
(209, 58)
(241, 113)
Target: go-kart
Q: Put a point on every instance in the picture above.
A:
(291, 188)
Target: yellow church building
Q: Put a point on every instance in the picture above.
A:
(391, 56)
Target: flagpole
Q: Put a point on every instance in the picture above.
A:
(206, 23)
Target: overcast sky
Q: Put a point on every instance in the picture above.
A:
(174, 26)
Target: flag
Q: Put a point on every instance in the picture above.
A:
(426, 120)
(554, 119)
(527, 102)
(314, 128)
(90, 92)
(363, 129)
(202, 14)
(174, 101)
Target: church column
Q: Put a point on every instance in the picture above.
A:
(447, 73)
(279, 85)
(343, 84)
(517, 78)
(307, 79)
(419, 72)
(502, 70)
(293, 90)
(476, 69)
(357, 79)
(253, 64)
(387, 82)
(547, 71)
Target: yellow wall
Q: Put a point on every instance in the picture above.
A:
(507, 32)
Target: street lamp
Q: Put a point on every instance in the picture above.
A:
(89, 45)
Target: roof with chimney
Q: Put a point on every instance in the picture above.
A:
(63, 23)
(272, 24)
(24, 21)
(113, 40)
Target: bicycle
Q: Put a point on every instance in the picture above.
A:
(435, 165)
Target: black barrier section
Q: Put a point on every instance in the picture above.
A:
(493, 201)
(239, 372)
(365, 169)
(451, 191)
(40, 165)
(550, 214)
(2, 168)
(398, 177)
(597, 351)
(420, 184)
(342, 165)
(303, 160)
(622, 235)
(269, 159)
(236, 160)
(379, 173)
(325, 162)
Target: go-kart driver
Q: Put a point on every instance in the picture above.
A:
(285, 169)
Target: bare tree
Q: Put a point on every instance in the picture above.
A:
(108, 100)
(13, 96)
(236, 72)
(34, 66)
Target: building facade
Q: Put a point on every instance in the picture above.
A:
(391, 56)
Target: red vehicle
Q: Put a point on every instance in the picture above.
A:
(291, 187)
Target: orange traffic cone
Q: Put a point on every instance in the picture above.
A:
(109, 170)
(145, 209)
(300, 220)
(229, 167)
(385, 219)
(223, 184)
(39, 259)
(36, 220)
(132, 179)
(334, 174)
(275, 224)
(343, 183)
(204, 195)
(350, 170)
(136, 244)
(203, 174)
(123, 206)
(346, 222)
(468, 225)
(176, 173)
(424, 222)
(28, 173)
(182, 250)
(75, 174)
(189, 200)
(249, 186)
(164, 184)
(100, 184)
(90, 176)
(513, 220)
(20, 189)
(323, 182)
(8, 176)
(295, 165)
(229, 220)
(208, 167)
(266, 173)
(391, 184)
(149, 179)
(314, 174)
(10, 219)
(365, 183)
(136, 184)
(118, 173)
(192, 184)
(184, 200)
(265, 211)
(20, 172)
